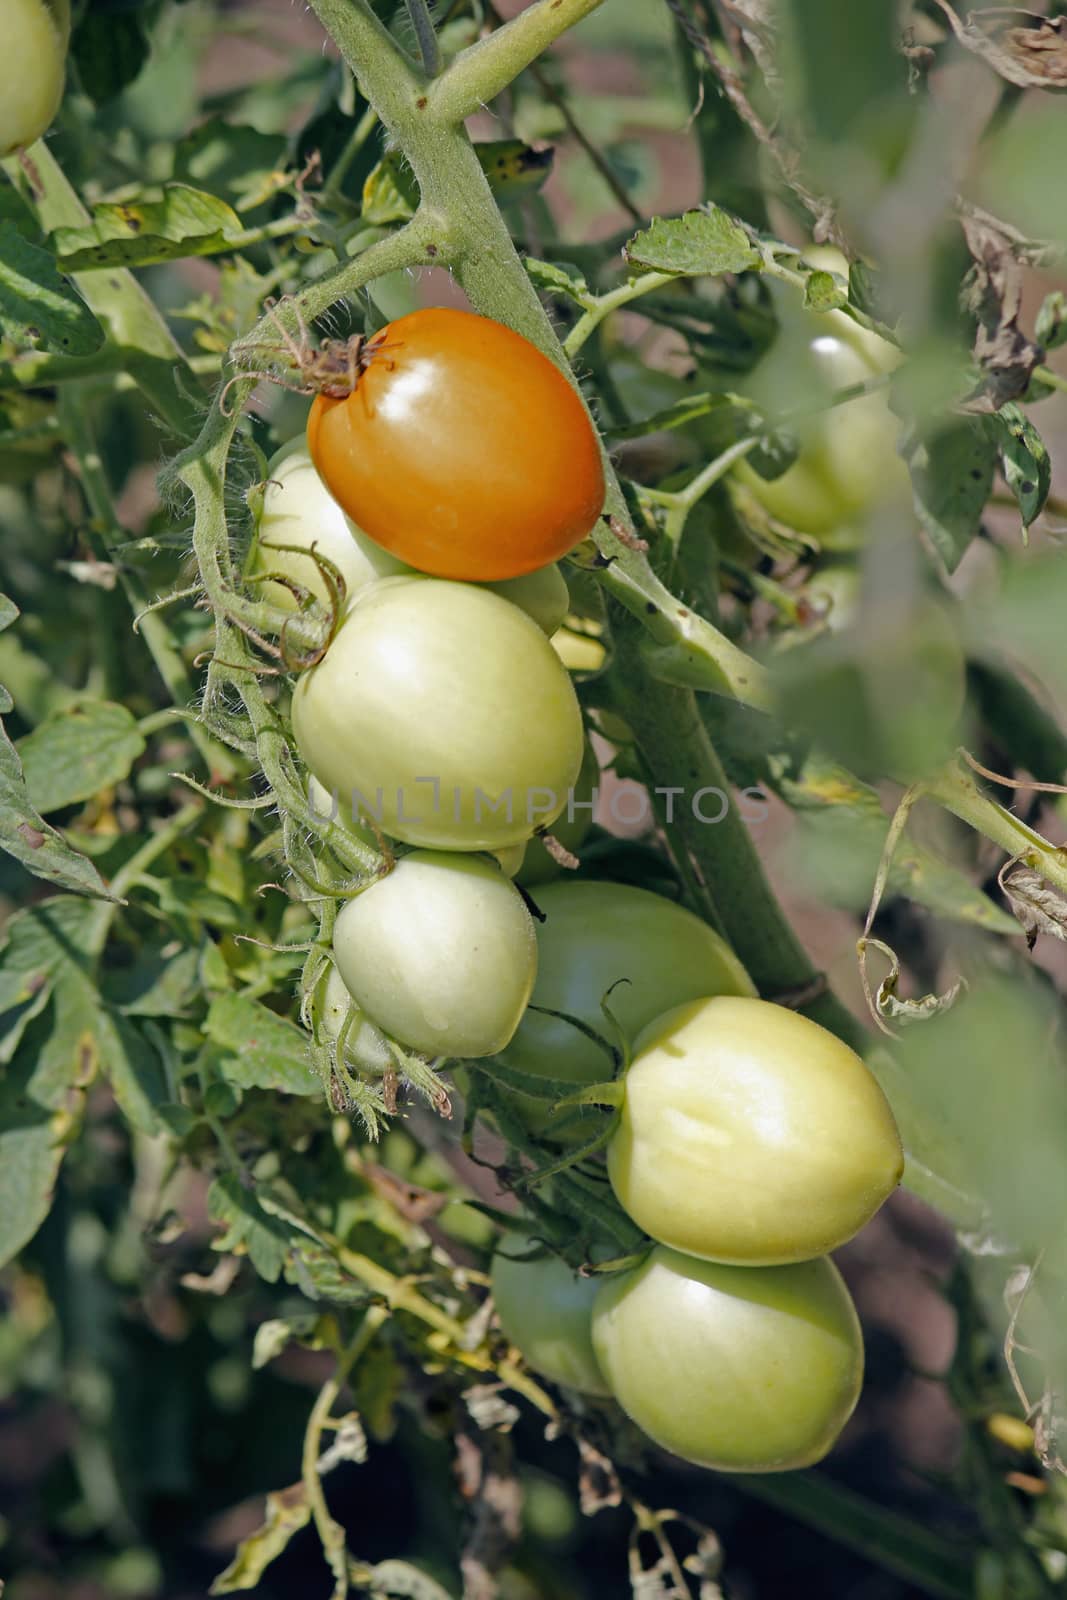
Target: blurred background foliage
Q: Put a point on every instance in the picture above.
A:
(166, 1325)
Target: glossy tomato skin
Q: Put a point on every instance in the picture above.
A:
(741, 1369)
(751, 1135)
(296, 511)
(595, 934)
(462, 450)
(35, 36)
(440, 953)
(546, 1311)
(433, 701)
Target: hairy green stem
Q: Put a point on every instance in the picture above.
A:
(478, 74)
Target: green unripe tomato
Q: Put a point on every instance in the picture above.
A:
(546, 1311)
(440, 953)
(34, 38)
(296, 509)
(750, 1135)
(365, 1046)
(741, 1369)
(595, 934)
(444, 709)
(542, 594)
(569, 828)
(848, 460)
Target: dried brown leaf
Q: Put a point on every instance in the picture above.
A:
(1035, 904)
(1027, 49)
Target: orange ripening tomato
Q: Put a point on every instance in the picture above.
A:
(461, 449)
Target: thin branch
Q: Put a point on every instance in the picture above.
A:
(478, 74)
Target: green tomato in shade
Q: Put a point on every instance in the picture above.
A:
(569, 828)
(296, 511)
(440, 953)
(365, 1046)
(750, 1135)
(542, 594)
(741, 1369)
(35, 35)
(546, 1310)
(445, 712)
(594, 935)
(848, 461)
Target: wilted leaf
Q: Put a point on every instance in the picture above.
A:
(1027, 49)
(262, 1050)
(287, 1511)
(137, 233)
(78, 751)
(992, 292)
(37, 306)
(893, 1007)
(702, 243)
(1038, 907)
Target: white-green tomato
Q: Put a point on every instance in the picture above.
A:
(298, 512)
(750, 1135)
(444, 713)
(743, 1369)
(546, 1310)
(440, 953)
(33, 38)
(542, 594)
(365, 1047)
(649, 952)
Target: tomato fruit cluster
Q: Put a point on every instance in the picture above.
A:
(746, 1142)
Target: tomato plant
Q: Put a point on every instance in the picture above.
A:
(35, 53)
(751, 1369)
(440, 953)
(385, 467)
(546, 1310)
(751, 1135)
(461, 449)
(446, 710)
(611, 942)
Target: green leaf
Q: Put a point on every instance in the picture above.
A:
(951, 476)
(109, 48)
(558, 278)
(25, 835)
(82, 749)
(702, 243)
(248, 1229)
(262, 1050)
(138, 233)
(1050, 328)
(1024, 459)
(37, 306)
(61, 1034)
(287, 1511)
(390, 193)
(690, 409)
(824, 291)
